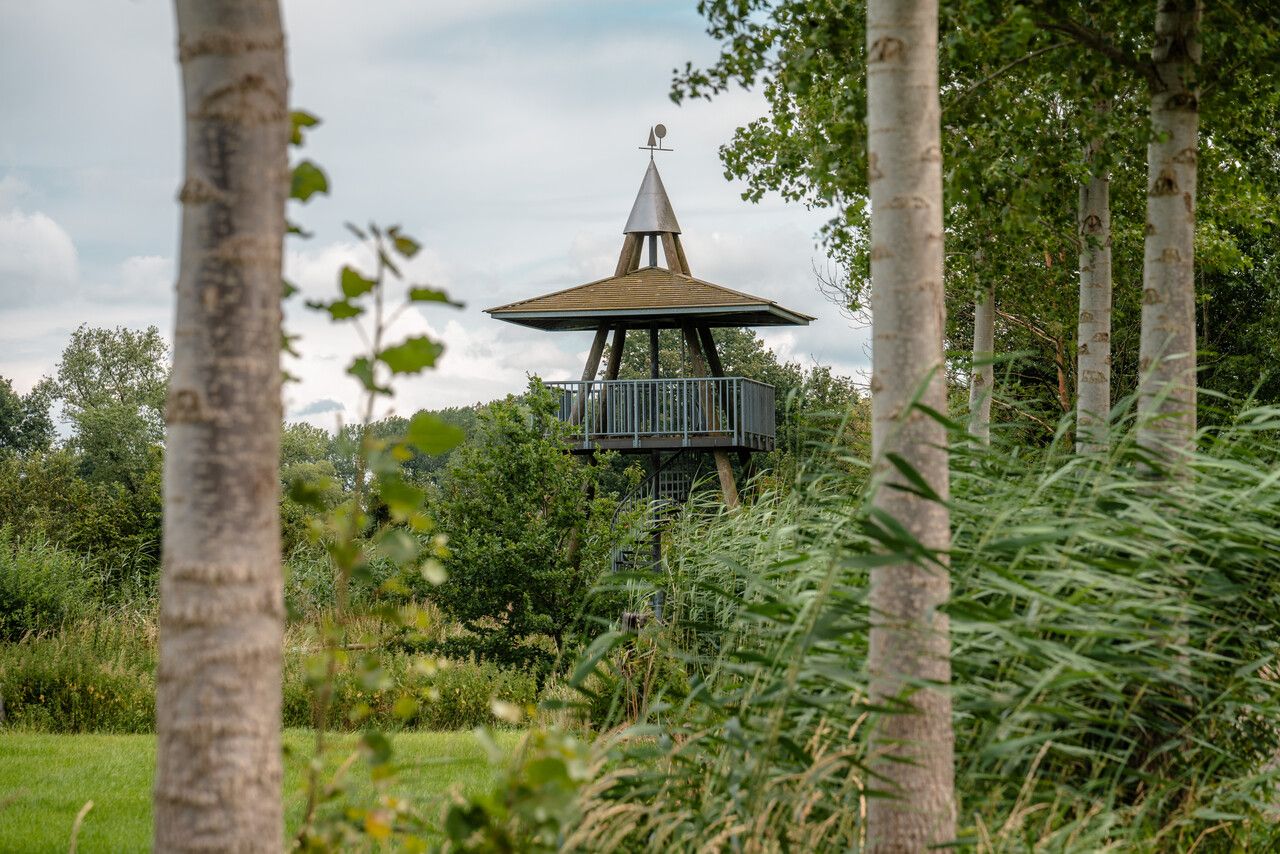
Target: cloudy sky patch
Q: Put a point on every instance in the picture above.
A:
(503, 134)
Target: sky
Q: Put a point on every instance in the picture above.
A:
(502, 134)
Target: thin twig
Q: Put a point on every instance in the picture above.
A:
(1001, 71)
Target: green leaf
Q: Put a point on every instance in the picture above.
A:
(422, 293)
(310, 491)
(338, 309)
(298, 120)
(430, 435)
(400, 497)
(378, 745)
(433, 571)
(362, 369)
(411, 356)
(293, 228)
(308, 179)
(353, 284)
(288, 288)
(398, 545)
(403, 243)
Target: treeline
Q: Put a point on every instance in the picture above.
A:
(508, 496)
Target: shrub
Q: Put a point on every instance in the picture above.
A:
(42, 586)
(94, 676)
(455, 695)
(525, 546)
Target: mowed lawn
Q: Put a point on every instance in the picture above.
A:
(46, 779)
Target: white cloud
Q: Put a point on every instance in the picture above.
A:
(37, 259)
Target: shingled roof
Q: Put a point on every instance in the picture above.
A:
(650, 295)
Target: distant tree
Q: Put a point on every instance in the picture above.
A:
(218, 684)
(809, 403)
(112, 385)
(25, 424)
(510, 501)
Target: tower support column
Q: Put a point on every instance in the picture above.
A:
(724, 468)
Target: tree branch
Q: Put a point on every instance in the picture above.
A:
(1096, 41)
(1001, 71)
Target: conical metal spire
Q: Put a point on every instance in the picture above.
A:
(652, 211)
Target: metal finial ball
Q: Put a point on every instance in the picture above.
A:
(660, 131)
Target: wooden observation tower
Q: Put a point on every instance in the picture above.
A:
(666, 418)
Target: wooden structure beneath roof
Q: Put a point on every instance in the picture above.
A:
(704, 413)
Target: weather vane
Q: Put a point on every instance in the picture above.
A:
(657, 133)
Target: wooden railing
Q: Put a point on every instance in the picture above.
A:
(670, 413)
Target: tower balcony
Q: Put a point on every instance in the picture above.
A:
(726, 413)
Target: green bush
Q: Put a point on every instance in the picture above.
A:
(457, 695)
(42, 586)
(92, 677)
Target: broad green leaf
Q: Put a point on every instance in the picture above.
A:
(412, 355)
(422, 293)
(400, 497)
(338, 309)
(362, 369)
(430, 435)
(405, 245)
(299, 119)
(308, 179)
(398, 545)
(353, 284)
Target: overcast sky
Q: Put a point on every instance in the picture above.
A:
(501, 133)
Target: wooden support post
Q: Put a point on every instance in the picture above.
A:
(611, 371)
(724, 468)
(709, 349)
(653, 352)
(713, 361)
(669, 251)
(629, 259)
(615, 353)
(589, 374)
(684, 262)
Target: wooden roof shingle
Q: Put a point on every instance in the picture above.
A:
(649, 295)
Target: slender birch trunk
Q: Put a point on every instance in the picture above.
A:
(1093, 369)
(218, 763)
(1167, 355)
(909, 655)
(982, 375)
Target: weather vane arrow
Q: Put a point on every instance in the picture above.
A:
(657, 133)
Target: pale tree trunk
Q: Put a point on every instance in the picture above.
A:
(1093, 332)
(982, 375)
(218, 763)
(1167, 359)
(909, 655)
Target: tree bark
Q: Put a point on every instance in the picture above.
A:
(982, 376)
(1093, 333)
(909, 655)
(1167, 352)
(218, 763)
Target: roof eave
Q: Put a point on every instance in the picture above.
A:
(785, 316)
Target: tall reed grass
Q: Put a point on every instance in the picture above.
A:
(1114, 648)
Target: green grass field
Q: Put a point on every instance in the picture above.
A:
(46, 779)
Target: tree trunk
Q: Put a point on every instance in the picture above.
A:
(1093, 368)
(218, 763)
(1167, 356)
(982, 375)
(909, 652)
